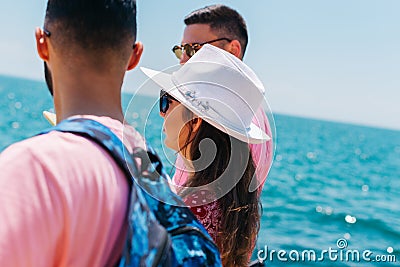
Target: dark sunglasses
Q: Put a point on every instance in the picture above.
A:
(46, 32)
(165, 100)
(192, 48)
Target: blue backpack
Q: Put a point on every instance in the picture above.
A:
(162, 231)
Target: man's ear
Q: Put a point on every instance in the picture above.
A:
(235, 48)
(41, 44)
(135, 56)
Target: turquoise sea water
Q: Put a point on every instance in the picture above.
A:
(329, 181)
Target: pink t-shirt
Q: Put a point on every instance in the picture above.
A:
(262, 156)
(63, 201)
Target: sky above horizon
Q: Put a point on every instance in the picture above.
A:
(334, 60)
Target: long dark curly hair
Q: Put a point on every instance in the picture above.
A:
(240, 208)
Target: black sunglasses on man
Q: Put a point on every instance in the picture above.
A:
(192, 48)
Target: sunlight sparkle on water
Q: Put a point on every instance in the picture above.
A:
(328, 211)
(18, 105)
(15, 125)
(135, 115)
(311, 155)
(347, 236)
(350, 219)
(365, 188)
(11, 96)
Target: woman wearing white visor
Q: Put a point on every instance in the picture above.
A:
(208, 106)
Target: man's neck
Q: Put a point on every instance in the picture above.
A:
(91, 95)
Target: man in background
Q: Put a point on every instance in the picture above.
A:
(63, 199)
(225, 28)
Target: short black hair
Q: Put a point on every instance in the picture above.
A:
(92, 24)
(224, 20)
